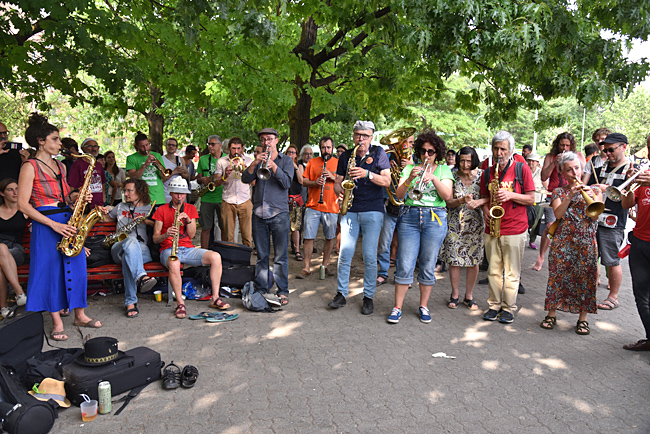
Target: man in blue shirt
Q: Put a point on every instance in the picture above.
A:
(371, 174)
(271, 215)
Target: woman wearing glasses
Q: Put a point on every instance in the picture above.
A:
(422, 227)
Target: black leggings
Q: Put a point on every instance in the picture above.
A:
(640, 270)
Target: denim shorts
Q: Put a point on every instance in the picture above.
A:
(187, 255)
(420, 235)
(312, 219)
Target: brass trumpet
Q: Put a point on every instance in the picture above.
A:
(616, 193)
(158, 165)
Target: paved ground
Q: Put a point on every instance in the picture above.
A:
(308, 369)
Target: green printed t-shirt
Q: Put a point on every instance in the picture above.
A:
(207, 166)
(150, 175)
(430, 196)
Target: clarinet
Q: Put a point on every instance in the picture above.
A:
(322, 187)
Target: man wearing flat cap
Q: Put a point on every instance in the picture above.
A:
(273, 172)
(371, 174)
(611, 223)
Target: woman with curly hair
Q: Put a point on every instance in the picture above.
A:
(422, 225)
(56, 281)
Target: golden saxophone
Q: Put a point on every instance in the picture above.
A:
(496, 211)
(348, 183)
(205, 188)
(124, 231)
(72, 246)
(177, 224)
(398, 139)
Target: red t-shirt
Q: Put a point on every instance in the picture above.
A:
(515, 220)
(165, 214)
(642, 228)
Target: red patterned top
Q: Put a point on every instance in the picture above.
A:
(47, 188)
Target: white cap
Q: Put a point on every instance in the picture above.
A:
(178, 185)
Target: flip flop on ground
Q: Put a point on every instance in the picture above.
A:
(608, 304)
(223, 317)
(206, 315)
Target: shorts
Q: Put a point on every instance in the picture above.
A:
(549, 215)
(187, 255)
(312, 219)
(206, 216)
(609, 242)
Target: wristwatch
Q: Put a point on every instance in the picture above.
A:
(370, 175)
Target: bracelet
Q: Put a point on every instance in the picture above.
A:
(367, 174)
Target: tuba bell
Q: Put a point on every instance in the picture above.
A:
(397, 143)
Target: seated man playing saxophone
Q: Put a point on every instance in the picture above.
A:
(132, 252)
(174, 228)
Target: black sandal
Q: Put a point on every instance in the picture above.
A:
(299, 257)
(548, 323)
(471, 304)
(133, 309)
(171, 376)
(453, 301)
(146, 283)
(582, 328)
(189, 376)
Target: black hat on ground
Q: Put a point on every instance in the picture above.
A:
(615, 138)
(100, 351)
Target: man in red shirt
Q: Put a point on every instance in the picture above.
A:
(163, 233)
(640, 254)
(320, 180)
(505, 252)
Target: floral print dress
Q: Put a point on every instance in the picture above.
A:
(463, 246)
(573, 259)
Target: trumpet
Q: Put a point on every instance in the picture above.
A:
(416, 192)
(263, 172)
(617, 193)
(160, 167)
(238, 166)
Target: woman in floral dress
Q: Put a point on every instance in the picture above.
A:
(573, 257)
(463, 246)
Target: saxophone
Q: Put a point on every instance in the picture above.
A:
(348, 183)
(72, 246)
(496, 211)
(124, 231)
(177, 224)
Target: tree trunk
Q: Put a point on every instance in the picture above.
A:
(156, 123)
(299, 117)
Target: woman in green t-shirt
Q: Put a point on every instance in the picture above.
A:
(422, 225)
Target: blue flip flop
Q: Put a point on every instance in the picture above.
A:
(222, 317)
(205, 315)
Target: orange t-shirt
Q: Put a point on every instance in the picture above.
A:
(313, 171)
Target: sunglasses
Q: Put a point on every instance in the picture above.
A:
(429, 152)
(611, 150)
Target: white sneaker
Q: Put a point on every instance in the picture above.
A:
(273, 299)
(5, 311)
(21, 299)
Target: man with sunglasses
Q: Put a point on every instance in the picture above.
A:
(371, 175)
(77, 174)
(599, 159)
(210, 201)
(611, 223)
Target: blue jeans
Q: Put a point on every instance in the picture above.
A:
(263, 229)
(369, 224)
(385, 238)
(419, 235)
(132, 255)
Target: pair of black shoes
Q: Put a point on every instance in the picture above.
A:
(173, 377)
(340, 301)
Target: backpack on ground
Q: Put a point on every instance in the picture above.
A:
(253, 300)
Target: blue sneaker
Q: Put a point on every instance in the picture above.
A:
(491, 315)
(425, 317)
(394, 316)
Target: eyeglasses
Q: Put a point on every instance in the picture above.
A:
(266, 139)
(611, 150)
(213, 144)
(290, 152)
(361, 136)
(429, 152)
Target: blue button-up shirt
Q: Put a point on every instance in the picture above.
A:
(271, 197)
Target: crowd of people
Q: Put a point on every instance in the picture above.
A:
(414, 202)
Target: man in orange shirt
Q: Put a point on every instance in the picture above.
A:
(322, 204)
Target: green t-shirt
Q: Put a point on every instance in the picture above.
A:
(150, 175)
(207, 166)
(430, 196)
